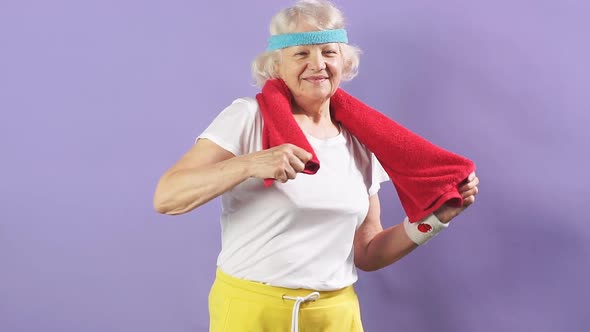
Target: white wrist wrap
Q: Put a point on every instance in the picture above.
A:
(422, 231)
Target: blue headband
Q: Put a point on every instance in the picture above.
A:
(306, 38)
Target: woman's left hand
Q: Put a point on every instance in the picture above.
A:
(468, 190)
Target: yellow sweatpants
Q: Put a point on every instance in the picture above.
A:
(237, 305)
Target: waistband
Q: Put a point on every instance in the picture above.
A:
(248, 289)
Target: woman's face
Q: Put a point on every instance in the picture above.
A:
(312, 72)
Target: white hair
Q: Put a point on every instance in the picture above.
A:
(321, 14)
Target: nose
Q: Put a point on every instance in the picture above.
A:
(317, 61)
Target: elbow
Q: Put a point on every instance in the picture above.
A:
(164, 208)
(163, 200)
(164, 205)
(167, 207)
(366, 265)
(368, 268)
(160, 205)
(170, 205)
(161, 209)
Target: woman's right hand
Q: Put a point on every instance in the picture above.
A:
(207, 171)
(281, 163)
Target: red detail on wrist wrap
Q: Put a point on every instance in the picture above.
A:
(424, 228)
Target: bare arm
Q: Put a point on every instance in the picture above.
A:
(203, 173)
(375, 248)
(207, 171)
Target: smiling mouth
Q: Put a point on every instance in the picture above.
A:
(315, 79)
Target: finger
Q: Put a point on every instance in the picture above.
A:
(469, 178)
(471, 192)
(468, 201)
(296, 163)
(281, 176)
(290, 172)
(469, 185)
(302, 154)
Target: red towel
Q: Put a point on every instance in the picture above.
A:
(424, 175)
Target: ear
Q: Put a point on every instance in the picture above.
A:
(276, 64)
(277, 69)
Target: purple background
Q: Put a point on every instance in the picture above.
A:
(99, 98)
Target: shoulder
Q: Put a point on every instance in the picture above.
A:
(248, 105)
(237, 128)
(241, 112)
(246, 111)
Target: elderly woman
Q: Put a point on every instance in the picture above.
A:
(290, 250)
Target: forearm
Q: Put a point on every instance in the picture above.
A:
(387, 247)
(390, 245)
(183, 190)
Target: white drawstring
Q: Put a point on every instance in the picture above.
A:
(298, 300)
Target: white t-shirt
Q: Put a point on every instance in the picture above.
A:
(297, 234)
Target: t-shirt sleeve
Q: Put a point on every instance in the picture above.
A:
(378, 175)
(234, 129)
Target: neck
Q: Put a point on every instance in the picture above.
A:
(317, 111)
(315, 119)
